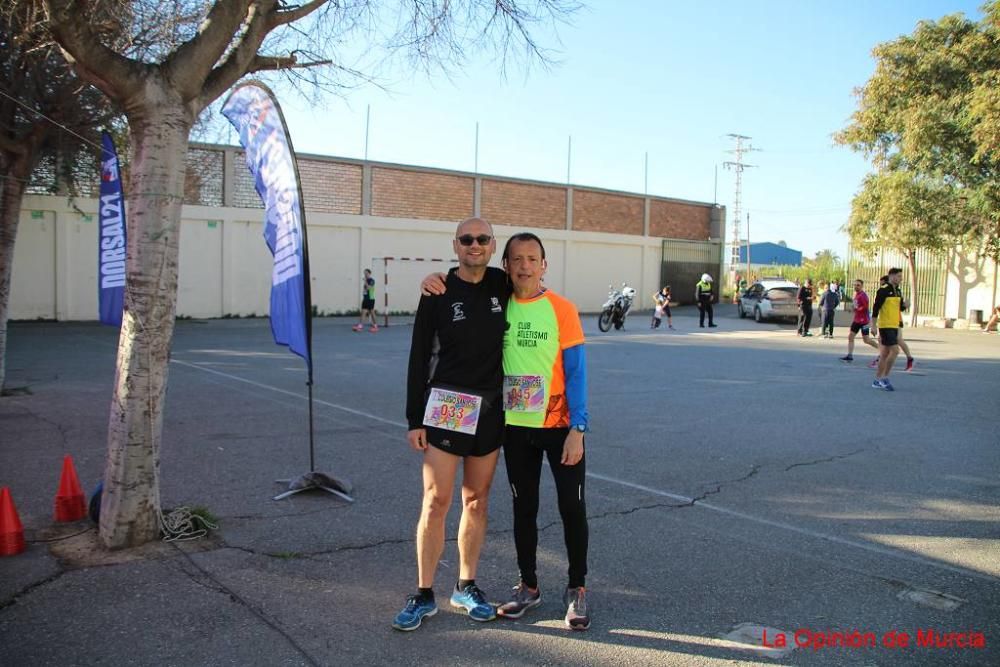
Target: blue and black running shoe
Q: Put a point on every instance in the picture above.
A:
(413, 613)
(474, 601)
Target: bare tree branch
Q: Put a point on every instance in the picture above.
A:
(115, 75)
(190, 63)
(235, 66)
(285, 16)
(265, 63)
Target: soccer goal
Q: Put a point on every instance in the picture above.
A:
(406, 273)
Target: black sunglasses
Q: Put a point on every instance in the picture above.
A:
(467, 239)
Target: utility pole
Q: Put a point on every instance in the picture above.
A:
(569, 156)
(368, 120)
(742, 146)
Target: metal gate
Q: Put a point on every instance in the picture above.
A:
(931, 275)
(683, 263)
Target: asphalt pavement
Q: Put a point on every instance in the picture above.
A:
(740, 480)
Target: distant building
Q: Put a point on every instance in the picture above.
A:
(770, 254)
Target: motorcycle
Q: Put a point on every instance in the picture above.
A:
(615, 309)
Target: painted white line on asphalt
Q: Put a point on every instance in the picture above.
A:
(290, 393)
(640, 487)
(646, 489)
(797, 529)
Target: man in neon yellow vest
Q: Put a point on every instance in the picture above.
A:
(703, 296)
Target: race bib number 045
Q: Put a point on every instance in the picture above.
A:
(523, 393)
(453, 411)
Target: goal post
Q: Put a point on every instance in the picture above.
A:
(389, 262)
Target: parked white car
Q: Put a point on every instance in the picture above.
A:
(769, 299)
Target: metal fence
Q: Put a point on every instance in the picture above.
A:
(932, 275)
(683, 263)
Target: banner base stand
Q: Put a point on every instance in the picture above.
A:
(316, 481)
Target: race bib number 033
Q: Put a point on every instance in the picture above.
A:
(523, 393)
(453, 411)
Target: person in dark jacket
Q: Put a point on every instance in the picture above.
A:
(829, 302)
(455, 417)
(805, 301)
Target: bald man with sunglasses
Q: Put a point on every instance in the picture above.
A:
(455, 416)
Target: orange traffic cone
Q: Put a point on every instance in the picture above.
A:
(70, 505)
(11, 531)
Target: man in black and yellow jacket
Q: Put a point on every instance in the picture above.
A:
(886, 316)
(703, 297)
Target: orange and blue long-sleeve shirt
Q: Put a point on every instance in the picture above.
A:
(545, 370)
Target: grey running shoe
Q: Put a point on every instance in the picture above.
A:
(521, 601)
(577, 616)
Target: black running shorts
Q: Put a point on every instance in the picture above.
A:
(488, 436)
(888, 337)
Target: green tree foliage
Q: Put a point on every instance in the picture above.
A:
(929, 119)
(825, 267)
(900, 209)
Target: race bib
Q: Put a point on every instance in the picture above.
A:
(523, 393)
(453, 411)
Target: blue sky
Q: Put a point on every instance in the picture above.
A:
(668, 78)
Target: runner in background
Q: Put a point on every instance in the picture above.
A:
(860, 321)
(367, 304)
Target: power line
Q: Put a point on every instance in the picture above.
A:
(54, 122)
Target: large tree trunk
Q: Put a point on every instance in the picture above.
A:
(911, 260)
(130, 508)
(17, 162)
(11, 194)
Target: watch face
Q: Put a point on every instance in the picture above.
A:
(581, 428)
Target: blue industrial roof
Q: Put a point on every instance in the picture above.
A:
(770, 253)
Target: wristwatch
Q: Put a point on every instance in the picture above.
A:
(582, 428)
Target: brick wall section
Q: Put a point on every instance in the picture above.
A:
(397, 193)
(331, 187)
(336, 187)
(604, 212)
(523, 204)
(244, 192)
(203, 177)
(675, 220)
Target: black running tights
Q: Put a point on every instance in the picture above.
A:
(523, 449)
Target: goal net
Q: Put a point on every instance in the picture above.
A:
(401, 278)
